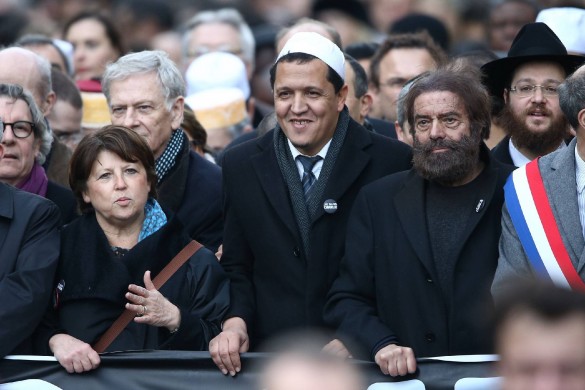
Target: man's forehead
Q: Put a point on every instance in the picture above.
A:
(437, 101)
(539, 69)
(138, 87)
(288, 69)
(314, 62)
(224, 33)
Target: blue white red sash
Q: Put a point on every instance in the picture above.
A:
(537, 228)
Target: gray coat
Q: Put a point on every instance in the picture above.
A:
(558, 173)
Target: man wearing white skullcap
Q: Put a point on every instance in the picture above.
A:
(287, 198)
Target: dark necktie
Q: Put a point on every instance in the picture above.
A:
(308, 177)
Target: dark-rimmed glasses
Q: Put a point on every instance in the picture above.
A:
(20, 129)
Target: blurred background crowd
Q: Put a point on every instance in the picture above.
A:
(86, 43)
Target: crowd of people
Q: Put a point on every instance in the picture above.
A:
(408, 182)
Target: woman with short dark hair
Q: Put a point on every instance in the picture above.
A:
(109, 254)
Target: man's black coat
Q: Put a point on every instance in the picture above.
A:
(275, 287)
(388, 292)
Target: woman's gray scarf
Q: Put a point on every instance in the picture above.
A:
(305, 213)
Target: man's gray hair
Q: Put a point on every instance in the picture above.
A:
(41, 130)
(228, 16)
(156, 61)
(572, 97)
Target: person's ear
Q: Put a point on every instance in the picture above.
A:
(399, 132)
(366, 102)
(581, 119)
(48, 103)
(341, 96)
(177, 111)
(86, 197)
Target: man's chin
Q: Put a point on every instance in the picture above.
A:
(538, 127)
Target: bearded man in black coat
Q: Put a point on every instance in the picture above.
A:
(422, 245)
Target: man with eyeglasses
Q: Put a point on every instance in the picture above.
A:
(400, 58)
(29, 236)
(527, 80)
(33, 72)
(543, 220)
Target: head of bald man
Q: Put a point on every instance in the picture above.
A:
(309, 371)
(31, 71)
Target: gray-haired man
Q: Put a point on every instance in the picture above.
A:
(145, 93)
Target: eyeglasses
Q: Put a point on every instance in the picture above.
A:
(20, 129)
(527, 90)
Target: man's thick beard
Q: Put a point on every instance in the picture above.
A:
(449, 167)
(540, 143)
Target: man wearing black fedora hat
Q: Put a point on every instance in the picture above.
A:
(543, 219)
(527, 80)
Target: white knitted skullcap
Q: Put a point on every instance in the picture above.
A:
(318, 46)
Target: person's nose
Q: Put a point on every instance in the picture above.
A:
(538, 95)
(437, 130)
(299, 105)
(119, 181)
(130, 119)
(78, 54)
(8, 137)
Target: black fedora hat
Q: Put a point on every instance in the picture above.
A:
(534, 42)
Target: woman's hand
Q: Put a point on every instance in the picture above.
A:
(73, 354)
(151, 307)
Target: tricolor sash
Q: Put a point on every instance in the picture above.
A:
(537, 228)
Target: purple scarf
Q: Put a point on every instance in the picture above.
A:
(36, 182)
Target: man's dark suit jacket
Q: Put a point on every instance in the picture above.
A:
(192, 191)
(387, 292)
(501, 151)
(382, 127)
(29, 252)
(275, 287)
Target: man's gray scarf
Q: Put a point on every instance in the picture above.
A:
(305, 213)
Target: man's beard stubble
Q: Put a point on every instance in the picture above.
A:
(539, 143)
(451, 166)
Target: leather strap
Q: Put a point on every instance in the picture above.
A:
(127, 316)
